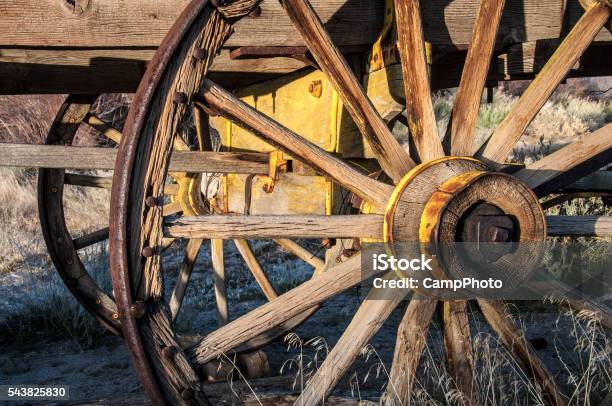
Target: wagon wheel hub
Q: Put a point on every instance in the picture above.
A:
(456, 203)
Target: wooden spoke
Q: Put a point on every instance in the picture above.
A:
(572, 299)
(251, 261)
(266, 226)
(189, 260)
(570, 163)
(227, 104)
(419, 106)
(473, 77)
(257, 322)
(458, 345)
(76, 179)
(172, 208)
(391, 156)
(200, 120)
(519, 347)
(411, 339)
(218, 266)
(167, 243)
(579, 226)
(91, 158)
(368, 319)
(91, 238)
(510, 130)
(300, 252)
(560, 199)
(106, 129)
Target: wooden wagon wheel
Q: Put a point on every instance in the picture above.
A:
(182, 196)
(177, 77)
(62, 247)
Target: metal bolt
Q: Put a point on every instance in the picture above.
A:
(187, 394)
(199, 54)
(147, 252)
(180, 98)
(169, 352)
(256, 12)
(98, 301)
(316, 88)
(138, 309)
(151, 201)
(115, 316)
(60, 240)
(53, 189)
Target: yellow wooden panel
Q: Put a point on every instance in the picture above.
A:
(289, 101)
(292, 194)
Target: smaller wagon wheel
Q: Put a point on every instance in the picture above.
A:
(443, 190)
(182, 196)
(62, 247)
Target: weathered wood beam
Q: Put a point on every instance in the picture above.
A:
(366, 322)
(283, 308)
(579, 226)
(91, 238)
(219, 282)
(409, 345)
(394, 160)
(522, 113)
(91, 71)
(513, 339)
(91, 158)
(300, 252)
(458, 346)
(76, 179)
(570, 163)
(270, 226)
(270, 130)
(144, 23)
(253, 265)
(182, 281)
(473, 78)
(419, 106)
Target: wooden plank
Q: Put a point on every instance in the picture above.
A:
(474, 76)
(78, 71)
(144, 23)
(451, 21)
(55, 156)
(570, 163)
(419, 106)
(394, 160)
(509, 131)
(269, 226)
(77, 179)
(52, 70)
(579, 226)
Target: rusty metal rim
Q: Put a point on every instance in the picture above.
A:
(120, 192)
(53, 223)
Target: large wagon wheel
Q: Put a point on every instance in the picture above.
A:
(177, 76)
